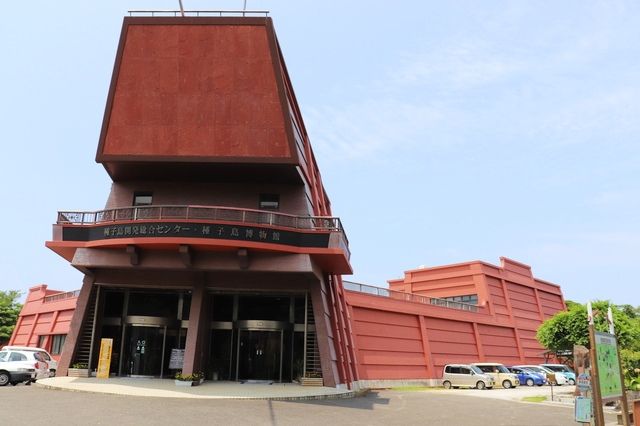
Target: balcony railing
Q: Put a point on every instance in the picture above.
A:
(209, 213)
(61, 296)
(409, 297)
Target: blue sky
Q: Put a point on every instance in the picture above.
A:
(445, 131)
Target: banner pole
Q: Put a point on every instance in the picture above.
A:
(623, 400)
(598, 412)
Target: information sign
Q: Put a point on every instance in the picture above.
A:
(584, 409)
(177, 359)
(608, 366)
(104, 360)
(583, 382)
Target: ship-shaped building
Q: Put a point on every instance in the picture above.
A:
(217, 250)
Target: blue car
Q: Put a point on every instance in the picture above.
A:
(528, 377)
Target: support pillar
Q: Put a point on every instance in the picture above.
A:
(325, 334)
(194, 353)
(476, 334)
(71, 342)
(426, 348)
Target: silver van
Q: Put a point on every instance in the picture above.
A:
(465, 375)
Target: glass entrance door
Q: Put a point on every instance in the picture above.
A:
(144, 351)
(259, 355)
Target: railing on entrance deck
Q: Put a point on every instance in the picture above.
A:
(61, 296)
(230, 214)
(398, 295)
(213, 213)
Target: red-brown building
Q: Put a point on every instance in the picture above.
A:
(467, 312)
(217, 241)
(44, 319)
(217, 237)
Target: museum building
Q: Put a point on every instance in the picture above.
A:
(217, 236)
(218, 241)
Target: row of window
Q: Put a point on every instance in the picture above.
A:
(471, 299)
(56, 343)
(266, 201)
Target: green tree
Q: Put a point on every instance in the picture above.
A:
(570, 327)
(9, 311)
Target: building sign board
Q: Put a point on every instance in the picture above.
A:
(608, 365)
(196, 230)
(176, 361)
(104, 360)
(583, 409)
(583, 382)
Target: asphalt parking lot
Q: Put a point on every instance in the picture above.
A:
(31, 405)
(516, 394)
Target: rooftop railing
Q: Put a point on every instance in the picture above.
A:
(209, 213)
(230, 13)
(409, 297)
(61, 296)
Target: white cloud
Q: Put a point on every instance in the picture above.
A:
(370, 127)
(459, 66)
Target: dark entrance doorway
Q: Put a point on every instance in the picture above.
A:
(259, 337)
(260, 354)
(144, 351)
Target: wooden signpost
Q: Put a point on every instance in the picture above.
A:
(607, 377)
(104, 360)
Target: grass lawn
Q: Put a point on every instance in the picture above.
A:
(538, 398)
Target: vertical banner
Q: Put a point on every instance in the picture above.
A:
(608, 365)
(104, 361)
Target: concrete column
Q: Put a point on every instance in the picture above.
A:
(476, 334)
(71, 341)
(15, 330)
(33, 328)
(426, 348)
(194, 354)
(324, 334)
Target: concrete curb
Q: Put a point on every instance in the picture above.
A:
(341, 395)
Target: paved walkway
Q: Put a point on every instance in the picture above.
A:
(35, 406)
(166, 388)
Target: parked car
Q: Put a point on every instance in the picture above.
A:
(22, 366)
(464, 375)
(53, 364)
(529, 377)
(552, 377)
(501, 375)
(561, 368)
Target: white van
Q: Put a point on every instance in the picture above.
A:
(464, 375)
(53, 364)
(501, 374)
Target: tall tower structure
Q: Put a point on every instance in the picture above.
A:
(217, 241)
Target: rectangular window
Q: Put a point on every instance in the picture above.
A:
(471, 299)
(41, 341)
(57, 344)
(142, 198)
(269, 202)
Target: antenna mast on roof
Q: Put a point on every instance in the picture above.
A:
(182, 8)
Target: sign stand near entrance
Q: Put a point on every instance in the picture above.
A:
(104, 361)
(176, 361)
